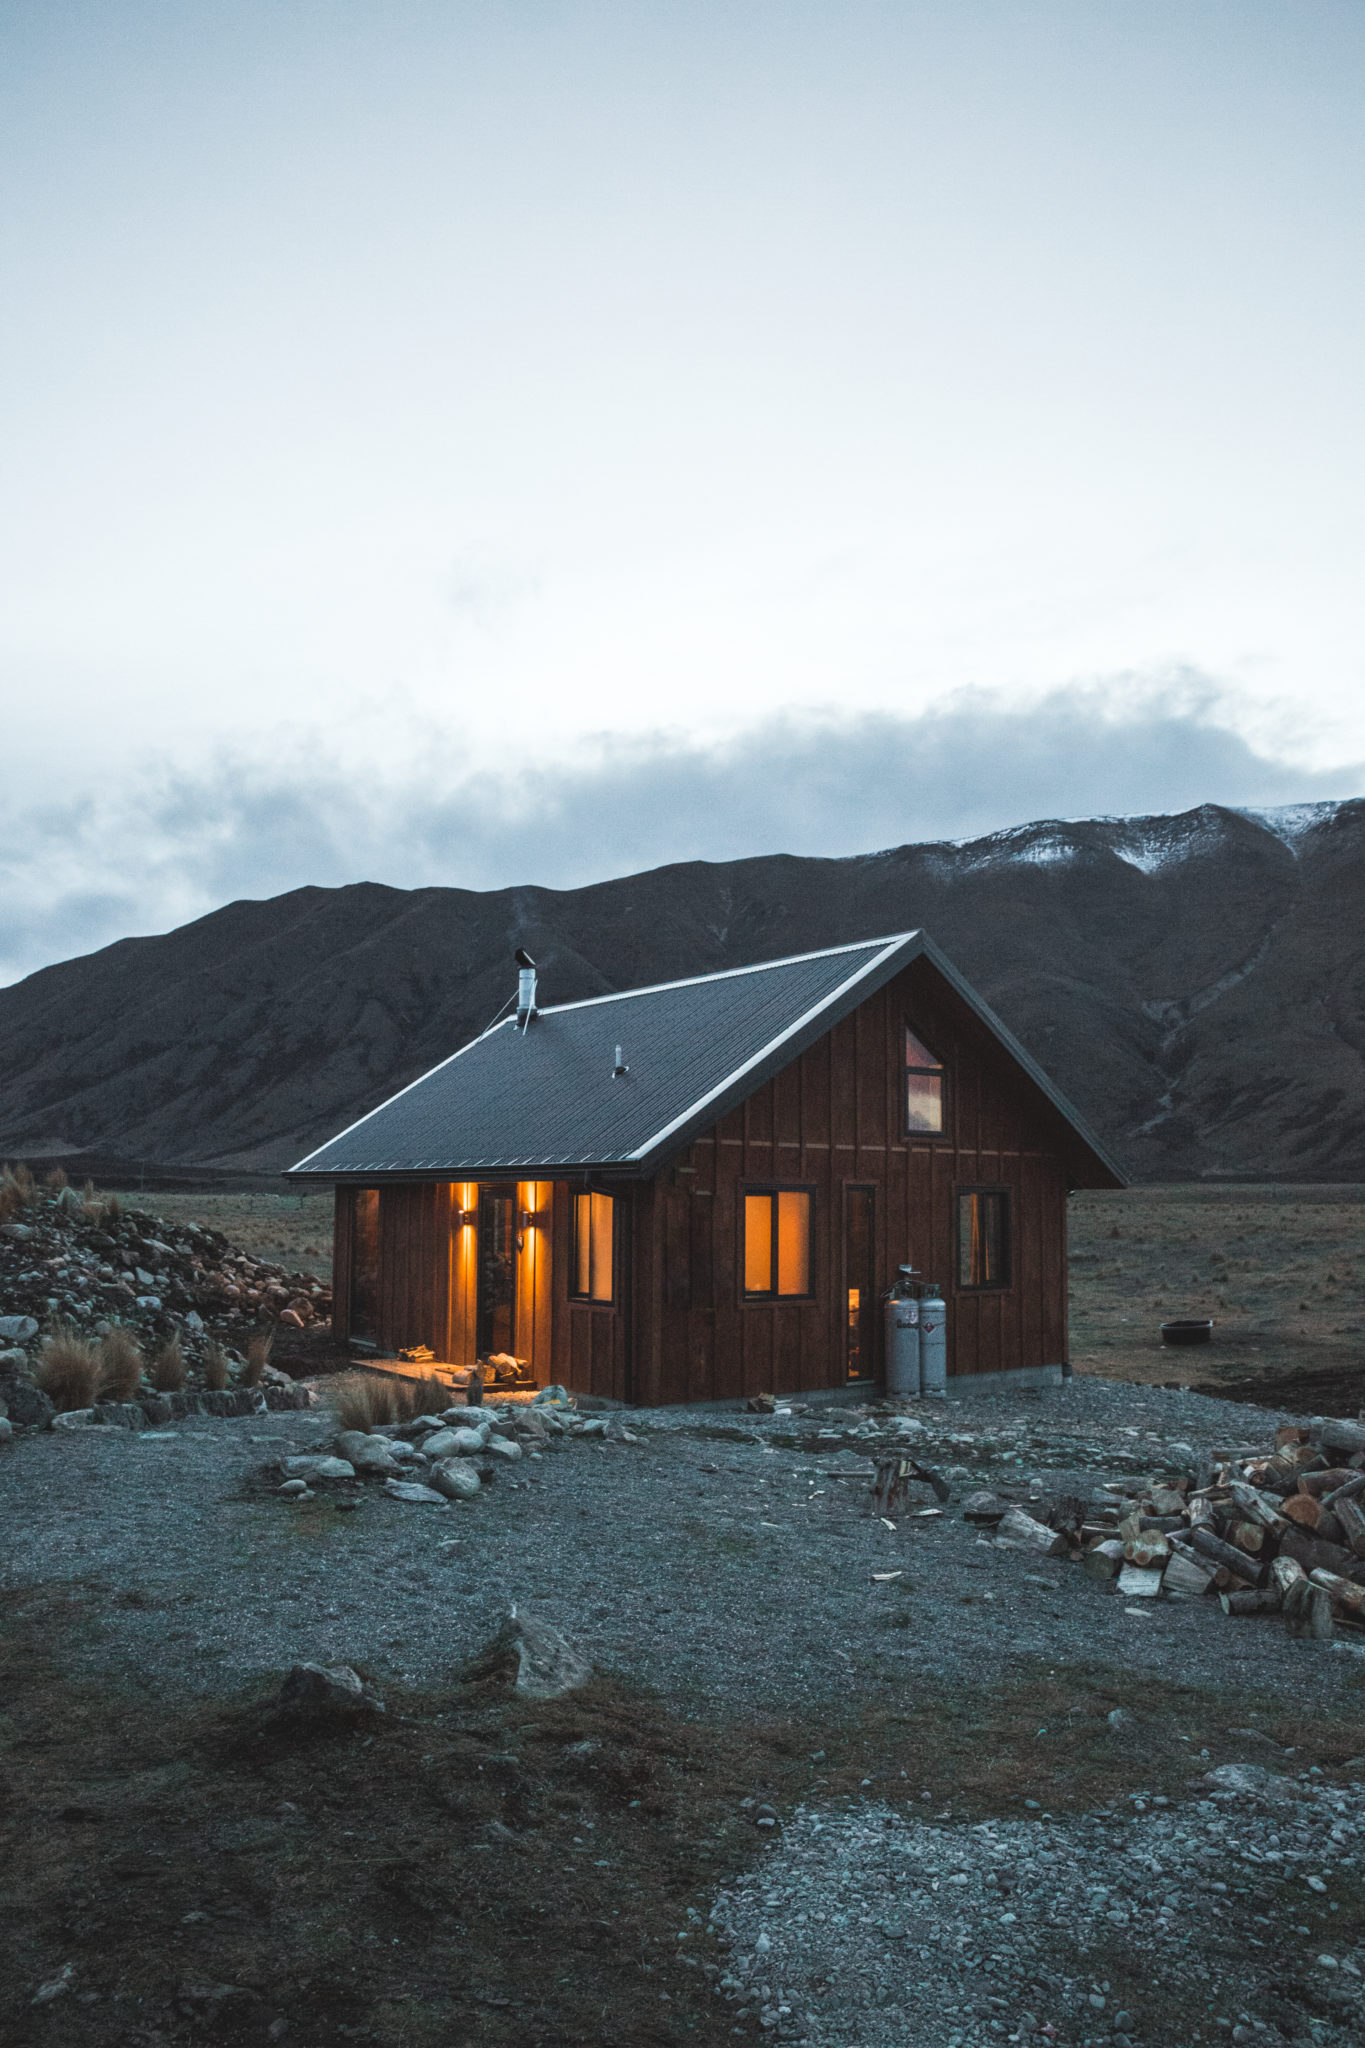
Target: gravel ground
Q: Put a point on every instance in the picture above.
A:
(878, 1927)
(725, 1560)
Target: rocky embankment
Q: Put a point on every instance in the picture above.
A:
(86, 1259)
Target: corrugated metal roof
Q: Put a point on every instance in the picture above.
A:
(513, 1101)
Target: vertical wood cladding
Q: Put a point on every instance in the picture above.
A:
(833, 1120)
(678, 1327)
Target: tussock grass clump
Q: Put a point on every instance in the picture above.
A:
(168, 1367)
(361, 1399)
(17, 1190)
(120, 1365)
(215, 1368)
(68, 1370)
(55, 1180)
(259, 1346)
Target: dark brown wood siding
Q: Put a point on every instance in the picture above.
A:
(678, 1327)
(832, 1120)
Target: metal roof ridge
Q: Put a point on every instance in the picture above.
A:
(655, 988)
(887, 947)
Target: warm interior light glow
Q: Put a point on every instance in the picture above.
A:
(758, 1244)
(793, 1243)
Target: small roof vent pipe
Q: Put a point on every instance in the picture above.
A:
(526, 988)
(620, 1070)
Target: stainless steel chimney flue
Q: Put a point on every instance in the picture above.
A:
(526, 988)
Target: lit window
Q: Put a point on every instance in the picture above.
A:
(592, 1247)
(983, 1238)
(777, 1243)
(923, 1086)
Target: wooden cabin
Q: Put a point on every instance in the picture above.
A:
(702, 1190)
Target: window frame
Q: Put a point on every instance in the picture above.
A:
(915, 1131)
(578, 1195)
(1006, 1195)
(772, 1298)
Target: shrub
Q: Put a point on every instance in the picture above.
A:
(258, 1350)
(17, 1190)
(55, 1179)
(361, 1399)
(215, 1368)
(68, 1370)
(168, 1367)
(120, 1365)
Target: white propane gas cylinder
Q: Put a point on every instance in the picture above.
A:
(902, 1346)
(933, 1341)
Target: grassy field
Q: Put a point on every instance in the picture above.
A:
(1281, 1270)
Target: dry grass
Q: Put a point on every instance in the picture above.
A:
(55, 1180)
(259, 1347)
(120, 1365)
(215, 1368)
(361, 1399)
(17, 1190)
(68, 1370)
(168, 1367)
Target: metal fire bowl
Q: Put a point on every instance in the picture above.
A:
(1188, 1330)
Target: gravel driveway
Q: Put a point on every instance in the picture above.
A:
(725, 1560)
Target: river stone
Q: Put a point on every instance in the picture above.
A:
(455, 1479)
(368, 1454)
(313, 1469)
(17, 1329)
(75, 1418)
(442, 1443)
(539, 1661)
(6, 1429)
(503, 1446)
(415, 1494)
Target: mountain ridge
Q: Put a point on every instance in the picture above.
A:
(1194, 983)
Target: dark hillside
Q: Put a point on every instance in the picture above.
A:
(1196, 984)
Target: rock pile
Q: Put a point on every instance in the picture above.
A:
(1275, 1532)
(86, 1261)
(436, 1459)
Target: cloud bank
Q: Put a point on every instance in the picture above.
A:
(81, 872)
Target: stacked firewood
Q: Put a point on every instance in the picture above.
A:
(1274, 1532)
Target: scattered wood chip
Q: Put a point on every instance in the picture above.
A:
(881, 1578)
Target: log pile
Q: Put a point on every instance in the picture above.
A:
(1275, 1532)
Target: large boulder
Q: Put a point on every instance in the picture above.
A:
(29, 1407)
(320, 1690)
(318, 1469)
(455, 1479)
(537, 1660)
(371, 1456)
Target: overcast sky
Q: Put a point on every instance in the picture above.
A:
(476, 443)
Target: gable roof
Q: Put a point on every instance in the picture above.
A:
(546, 1099)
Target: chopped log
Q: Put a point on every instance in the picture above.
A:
(1312, 1555)
(1148, 1550)
(1331, 1528)
(1199, 1511)
(1187, 1574)
(1352, 1490)
(1343, 1438)
(1344, 1593)
(1303, 1509)
(1319, 1483)
(1235, 1561)
(1018, 1528)
(1138, 1584)
(1166, 1501)
(1352, 1519)
(1104, 1560)
(1232, 1582)
(1319, 1614)
(1266, 1601)
(1286, 1572)
(1254, 1507)
(1288, 1433)
(1248, 1536)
